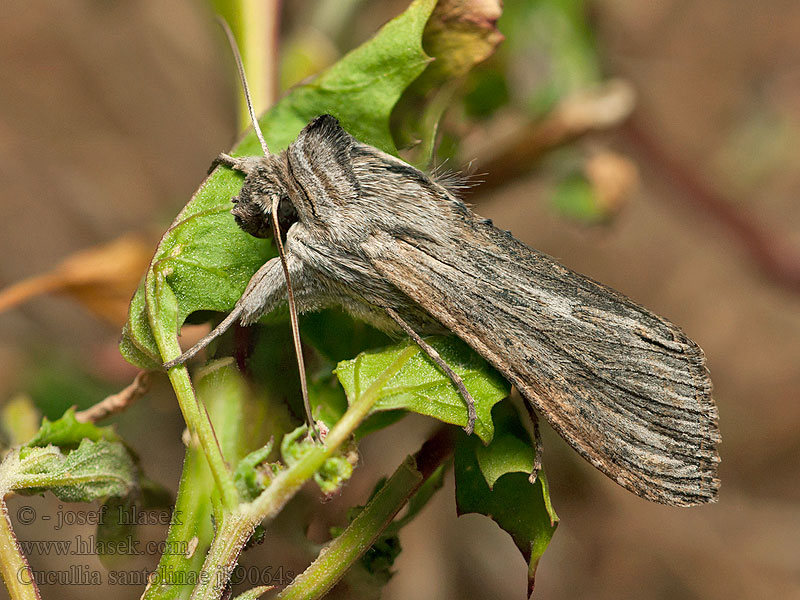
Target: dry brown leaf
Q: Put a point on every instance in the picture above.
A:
(102, 278)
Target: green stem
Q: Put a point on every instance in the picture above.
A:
(190, 526)
(162, 312)
(238, 526)
(255, 26)
(231, 536)
(199, 423)
(334, 561)
(13, 565)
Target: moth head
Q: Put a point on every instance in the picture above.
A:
(253, 210)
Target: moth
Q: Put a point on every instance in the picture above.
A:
(361, 229)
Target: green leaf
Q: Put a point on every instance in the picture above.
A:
(204, 260)
(362, 88)
(506, 454)
(137, 344)
(93, 470)
(494, 481)
(421, 387)
(250, 480)
(68, 432)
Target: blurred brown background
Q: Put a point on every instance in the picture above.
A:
(110, 113)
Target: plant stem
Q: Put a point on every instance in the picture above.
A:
(14, 566)
(237, 527)
(231, 536)
(334, 561)
(199, 424)
(255, 26)
(162, 312)
(118, 402)
(190, 526)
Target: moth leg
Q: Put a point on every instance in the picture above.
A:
(263, 293)
(206, 339)
(435, 357)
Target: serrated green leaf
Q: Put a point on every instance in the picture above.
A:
(422, 388)
(93, 470)
(68, 432)
(204, 260)
(494, 481)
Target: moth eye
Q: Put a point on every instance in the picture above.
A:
(287, 214)
(251, 220)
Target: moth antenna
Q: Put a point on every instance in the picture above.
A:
(293, 319)
(240, 66)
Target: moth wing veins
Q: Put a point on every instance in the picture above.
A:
(624, 387)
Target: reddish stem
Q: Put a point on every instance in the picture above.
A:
(776, 259)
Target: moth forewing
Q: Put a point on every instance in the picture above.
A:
(627, 389)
